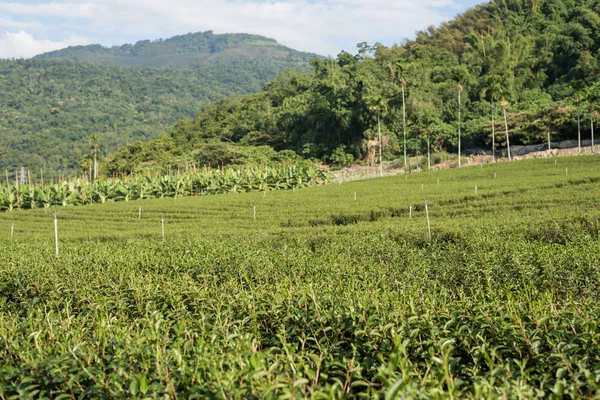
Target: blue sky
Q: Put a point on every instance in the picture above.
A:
(30, 27)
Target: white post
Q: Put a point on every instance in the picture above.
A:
(12, 229)
(354, 196)
(475, 190)
(162, 220)
(495, 175)
(140, 212)
(56, 232)
(427, 215)
(410, 211)
(422, 186)
(255, 213)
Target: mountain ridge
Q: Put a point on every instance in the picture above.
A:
(184, 51)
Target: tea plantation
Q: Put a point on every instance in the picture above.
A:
(313, 293)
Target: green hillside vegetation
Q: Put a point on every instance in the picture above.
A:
(535, 60)
(189, 50)
(321, 296)
(50, 107)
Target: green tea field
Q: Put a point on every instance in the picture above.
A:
(351, 290)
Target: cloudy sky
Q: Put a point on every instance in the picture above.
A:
(30, 27)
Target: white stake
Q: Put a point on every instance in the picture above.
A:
(422, 186)
(476, 190)
(56, 231)
(255, 213)
(162, 220)
(410, 211)
(12, 229)
(495, 175)
(140, 212)
(427, 215)
(354, 196)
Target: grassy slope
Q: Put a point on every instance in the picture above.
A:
(304, 301)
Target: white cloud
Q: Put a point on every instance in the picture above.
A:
(323, 26)
(23, 45)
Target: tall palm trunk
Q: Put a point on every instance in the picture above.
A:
(95, 164)
(578, 126)
(459, 138)
(380, 145)
(404, 119)
(592, 126)
(493, 134)
(506, 127)
(428, 155)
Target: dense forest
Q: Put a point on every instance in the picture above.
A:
(534, 61)
(190, 50)
(49, 108)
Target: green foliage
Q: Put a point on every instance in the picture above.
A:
(49, 107)
(193, 182)
(190, 50)
(321, 296)
(536, 55)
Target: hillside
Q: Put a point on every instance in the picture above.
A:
(49, 107)
(185, 51)
(535, 62)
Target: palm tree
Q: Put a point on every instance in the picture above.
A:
(378, 105)
(504, 104)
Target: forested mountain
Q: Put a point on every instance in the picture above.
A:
(193, 49)
(536, 60)
(49, 108)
